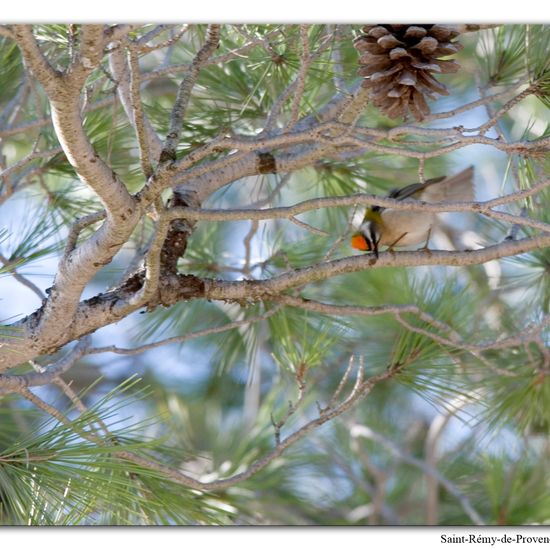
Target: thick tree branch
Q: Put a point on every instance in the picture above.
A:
(152, 263)
(114, 305)
(36, 60)
(240, 290)
(307, 146)
(64, 95)
(80, 265)
(88, 57)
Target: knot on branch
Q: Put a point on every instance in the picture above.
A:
(175, 244)
(266, 163)
(167, 155)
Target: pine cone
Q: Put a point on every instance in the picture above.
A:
(397, 62)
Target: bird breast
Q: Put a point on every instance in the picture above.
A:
(405, 228)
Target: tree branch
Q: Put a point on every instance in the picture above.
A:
(6, 173)
(184, 93)
(328, 414)
(128, 81)
(80, 265)
(17, 382)
(239, 290)
(36, 60)
(114, 305)
(143, 47)
(144, 131)
(64, 96)
(185, 337)
(301, 78)
(360, 390)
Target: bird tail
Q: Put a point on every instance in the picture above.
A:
(456, 188)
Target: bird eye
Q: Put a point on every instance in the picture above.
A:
(359, 242)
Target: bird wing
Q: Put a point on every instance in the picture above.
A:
(408, 191)
(412, 189)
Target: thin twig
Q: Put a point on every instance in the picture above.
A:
(77, 227)
(339, 37)
(264, 40)
(437, 426)
(290, 89)
(79, 405)
(17, 382)
(342, 383)
(301, 78)
(471, 27)
(14, 106)
(292, 408)
(118, 32)
(29, 158)
(185, 337)
(184, 92)
(283, 181)
(146, 48)
(175, 474)
(363, 199)
(363, 431)
(504, 109)
(247, 241)
(454, 340)
(146, 77)
(138, 116)
(473, 104)
(308, 227)
(153, 33)
(20, 278)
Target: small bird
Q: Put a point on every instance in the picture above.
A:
(390, 227)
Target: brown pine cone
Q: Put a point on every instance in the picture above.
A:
(397, 62)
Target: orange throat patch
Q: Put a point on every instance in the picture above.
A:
(359, 242)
